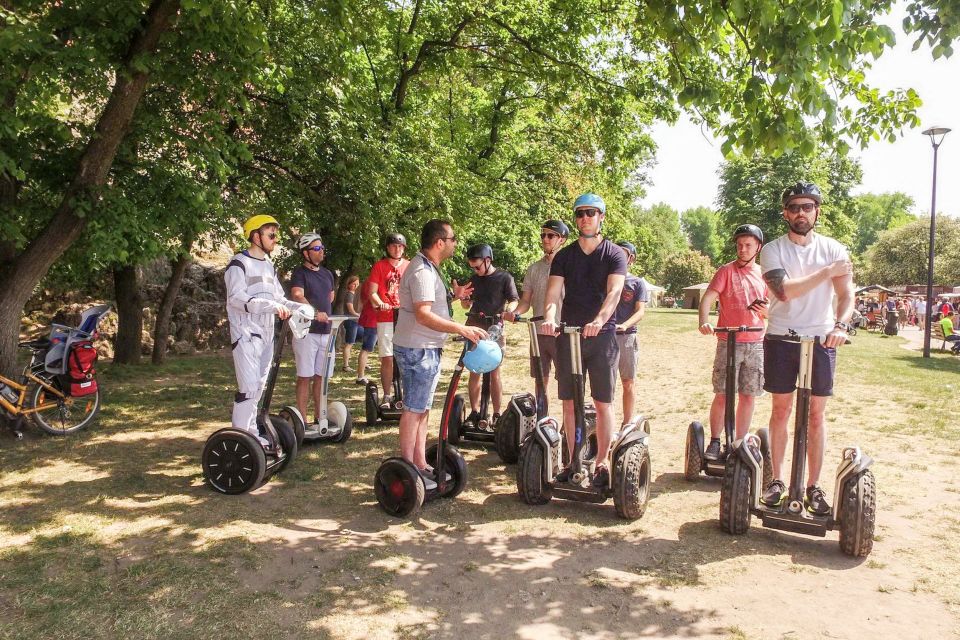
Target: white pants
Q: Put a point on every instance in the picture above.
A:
(310, 353)
(251, 362)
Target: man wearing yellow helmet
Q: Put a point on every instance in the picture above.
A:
(254, 297)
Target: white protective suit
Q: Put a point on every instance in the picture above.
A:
(254, 295)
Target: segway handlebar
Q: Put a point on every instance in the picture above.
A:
(796, 337)
(530, 319)
(741, 329)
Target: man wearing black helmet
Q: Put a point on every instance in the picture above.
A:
(552, 236)
(384, 292)
(804, 271)
(494, 292)
(742, 293)
(630, 310)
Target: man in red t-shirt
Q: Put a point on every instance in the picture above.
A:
(742, 292)
(368, 321)
(385, 297)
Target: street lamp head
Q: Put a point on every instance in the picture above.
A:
(933, 132)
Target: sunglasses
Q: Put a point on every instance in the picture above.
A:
(806, 207)
(452, 238)
(272, 235)
(549, 236)
(587, 212)
(316, 249)
(477, 269)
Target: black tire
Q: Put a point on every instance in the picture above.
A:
(371, 404)
(631, 481)
(288, 440)
(765, 453)
(287, 414)
(233, 461)
(735, 495)
(692, 456)
(347, 429)
(531, 472)
(458, 414)
(506, 437)
(399, 487)
(454, 464)
(63, 415)
(858, 511)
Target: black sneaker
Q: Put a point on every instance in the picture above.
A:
(473, 418)
(564, 475)
(816, 501)
(601, 478)
(428, 482)
(774, 494)
(713, 450)
(362, 381)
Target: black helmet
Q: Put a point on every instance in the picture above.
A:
(805, 189)
(748, 230)
(479, 251)
(394, 238)
(557, 226)
(632, 250)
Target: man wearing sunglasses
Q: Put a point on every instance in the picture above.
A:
(254, 297)
(630, 310)
(552, 236)
(494, 292)
(804, 271)
(385, 297)
(590, 273)
(312, 284)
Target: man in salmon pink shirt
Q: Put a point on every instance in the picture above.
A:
(742, 292)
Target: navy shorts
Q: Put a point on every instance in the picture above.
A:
(351, 331)
(601, 356)
(781, 364)
(369, 339)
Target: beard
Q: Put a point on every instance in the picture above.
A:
(801, 226)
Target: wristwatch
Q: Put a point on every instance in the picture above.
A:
(843, 326)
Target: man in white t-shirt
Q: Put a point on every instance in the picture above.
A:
(803, 270)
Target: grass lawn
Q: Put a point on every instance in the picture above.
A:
(111, 533)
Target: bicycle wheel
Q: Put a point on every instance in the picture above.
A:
(61, 415)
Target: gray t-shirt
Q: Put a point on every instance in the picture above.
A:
(421, 282)
(535, 281)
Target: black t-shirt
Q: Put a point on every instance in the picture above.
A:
(316, 286)
(585, 280)
(492, 292)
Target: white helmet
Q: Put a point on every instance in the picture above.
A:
(300, 318)
(307, 238)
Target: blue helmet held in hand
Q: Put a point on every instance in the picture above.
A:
(483, 358)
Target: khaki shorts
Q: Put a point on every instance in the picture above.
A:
(629, 352)
(385, 339)
(749, 371)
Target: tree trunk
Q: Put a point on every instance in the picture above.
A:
(23, 274)
(178, 267)
(126, 286)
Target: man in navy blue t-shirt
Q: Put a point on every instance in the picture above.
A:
(312, 284)
(629, 312)
(590, 272)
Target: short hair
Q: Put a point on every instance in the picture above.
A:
(433, 230)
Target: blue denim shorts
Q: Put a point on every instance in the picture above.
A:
(419, 375)
(369, 338)
(351, 331)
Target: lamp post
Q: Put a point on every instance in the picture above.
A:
(933, 132)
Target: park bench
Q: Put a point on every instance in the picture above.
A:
(937, 334)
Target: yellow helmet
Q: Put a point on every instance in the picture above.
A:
(256, 222)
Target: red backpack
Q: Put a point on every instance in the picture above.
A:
(81, 363)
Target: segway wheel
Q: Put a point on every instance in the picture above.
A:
(735, 496)
(765, 453)
(858, 511)
(399, 487)
(288, 414)
(531, 484)
(458, 415)
(233, 461)
(372, 404)
(454, 464)
(288, 440)
(505, 438)
(340, 415)
(631, 481)
(693, 456)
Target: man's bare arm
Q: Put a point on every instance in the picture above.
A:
(785, 288)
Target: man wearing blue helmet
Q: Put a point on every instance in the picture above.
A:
(590, 273)
(630, 310)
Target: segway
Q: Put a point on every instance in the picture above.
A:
(335, 422)
(234, 461)
(374, 412)
(398, 485)
(628, 457)
(854, 505)
(484, 428)
(524, 409)
(694, 461)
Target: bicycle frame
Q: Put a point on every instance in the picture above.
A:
(18, 409)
